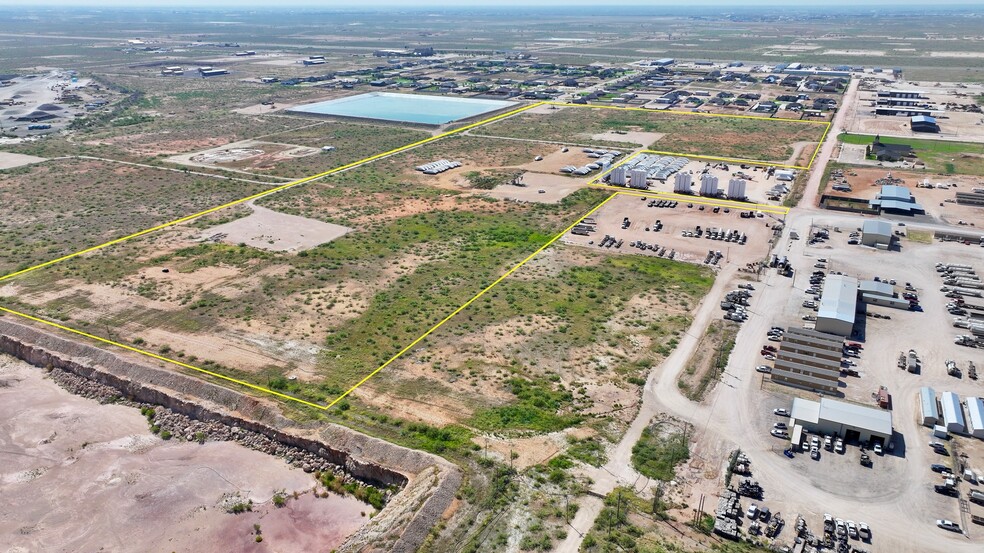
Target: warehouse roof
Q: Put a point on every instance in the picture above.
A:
(881, 228)
(877, 288)
(858, 416)
(839, 299)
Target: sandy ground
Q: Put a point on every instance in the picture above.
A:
(79, 476)
(10, 160)
(271, 230)
(689, 249)
(644, 139)
(554, 188)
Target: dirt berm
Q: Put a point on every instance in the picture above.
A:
(428, 482)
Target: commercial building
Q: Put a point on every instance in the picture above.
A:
(970, 198)
(928, 408)
(900, 98)
(896, 199)
(902, 111)
(952, 413)
(888, 152)
(838, 305)
(875, 233)
(975, 416)
(809, 360)
(924, 123)
(845, 420)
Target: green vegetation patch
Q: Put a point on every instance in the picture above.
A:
(536, 408)
(657, 453)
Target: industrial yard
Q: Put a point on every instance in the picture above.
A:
(581, 282)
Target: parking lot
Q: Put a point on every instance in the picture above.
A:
(642, 214)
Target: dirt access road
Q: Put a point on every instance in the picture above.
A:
(812, 193)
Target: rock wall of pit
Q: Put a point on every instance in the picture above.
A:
(428, 482)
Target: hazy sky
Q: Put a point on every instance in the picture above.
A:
(348, 4)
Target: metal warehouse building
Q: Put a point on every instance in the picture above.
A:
(975, 416)
(875, 233)
(952, 413)
(838, 305)
(809, 360)
(847, 420)
(927, 404)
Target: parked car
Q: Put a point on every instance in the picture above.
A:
(780, 412)
(948, 525)
(752, 512)
(936, 467)
(763, 369)
(780, 433)
(780, 426)
(946, 490)
(864, 532)
(877, 449)
(815, 453)
(769, 357)
(852, 530)
(839, 446)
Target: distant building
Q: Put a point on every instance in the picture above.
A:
(924, 123)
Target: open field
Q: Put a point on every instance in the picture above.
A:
(78, 475)
(755, 138)
(96, 202)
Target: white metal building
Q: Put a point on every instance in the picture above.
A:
(875, 233)
(927, 405)
(838, 305)
(952, 413)
(975, 416)
(846, 420)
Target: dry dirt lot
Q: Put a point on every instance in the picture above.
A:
(244, 155)
(9, 160)
(80, 476)
(271, 230)
(675, 221)
(554, 188)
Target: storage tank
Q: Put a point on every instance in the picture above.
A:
(736, 189)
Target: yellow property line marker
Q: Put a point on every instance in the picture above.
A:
(158, 357)
(268, 192)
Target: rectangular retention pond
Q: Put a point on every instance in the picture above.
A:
(404, 108)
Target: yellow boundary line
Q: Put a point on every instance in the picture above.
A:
(618, 191)
(268, 192)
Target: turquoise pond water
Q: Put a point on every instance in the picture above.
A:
(405, 108)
